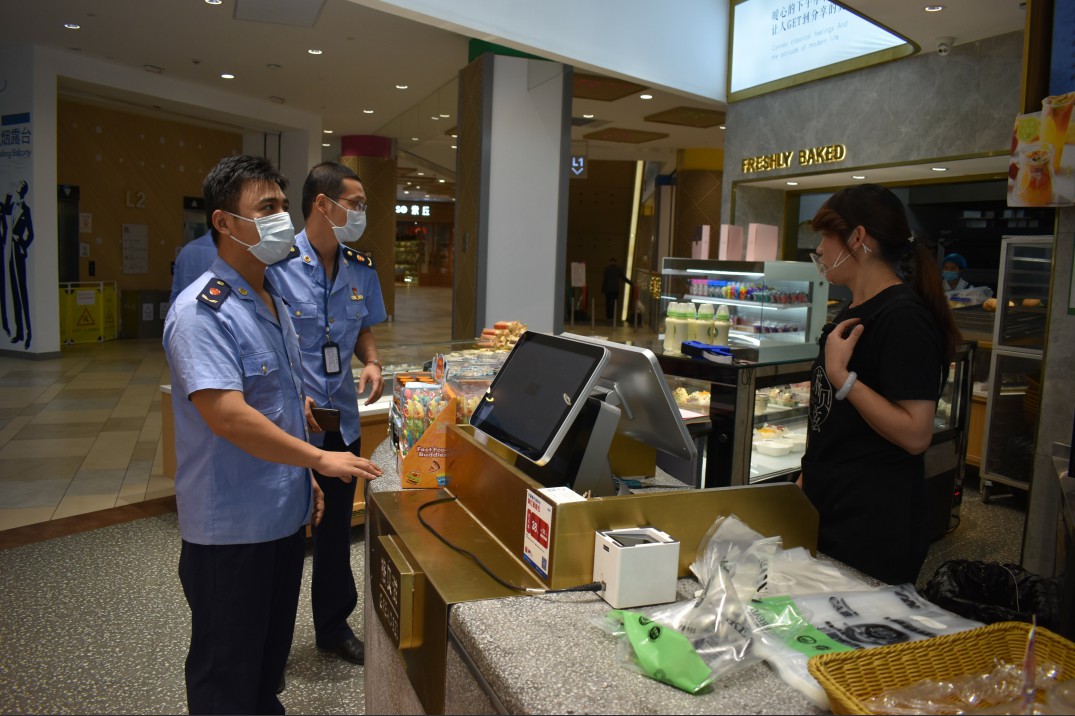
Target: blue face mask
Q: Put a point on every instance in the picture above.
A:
(950, 275)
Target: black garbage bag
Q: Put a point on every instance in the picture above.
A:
(990, 592)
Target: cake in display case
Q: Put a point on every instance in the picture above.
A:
(776, 308)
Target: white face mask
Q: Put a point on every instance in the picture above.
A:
(352, 228)
(277, 237)
(823, 269)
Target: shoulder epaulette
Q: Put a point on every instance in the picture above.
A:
(362, 257)
(214, 293)
(292, 254)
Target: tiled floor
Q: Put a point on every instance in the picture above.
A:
(82, 433)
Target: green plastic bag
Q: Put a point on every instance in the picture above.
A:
(664, 654)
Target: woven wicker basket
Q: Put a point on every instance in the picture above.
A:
(852, 677)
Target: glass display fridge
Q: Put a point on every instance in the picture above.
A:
(776, 308)
(1014, 397)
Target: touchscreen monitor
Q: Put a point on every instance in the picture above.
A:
(648, 413)
(538, 392)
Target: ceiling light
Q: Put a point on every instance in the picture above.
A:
(434, 117)
(325, 144)
(367, 111)
(153, 68)
(440, 181)
(273, 66)
(454, 147)
(721, 127)
(213, 2)
(401, 86)
(314, 51)
(278, 100)
(939, 169)
(933, 8)
(327, 131)
(414, 139)
(227, 76)
(455, 136)
(421, 174)
(792, 183)
(445, 116)
(858, 176)
(406, 191)
(645, 96)
(587, 116)
(72, 25)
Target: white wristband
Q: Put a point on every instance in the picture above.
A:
(847, 386)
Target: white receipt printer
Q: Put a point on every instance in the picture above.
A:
(637, 566)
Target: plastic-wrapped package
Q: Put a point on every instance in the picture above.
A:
(657, 651)
(791, 629)
(999, 692)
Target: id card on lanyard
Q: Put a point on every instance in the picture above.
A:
(330, 351)
(330, 358)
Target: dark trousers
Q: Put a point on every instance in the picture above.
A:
(610, 301)
(243, 599)
(333, 594)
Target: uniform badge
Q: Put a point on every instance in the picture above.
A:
(214, 293)
(293, 253)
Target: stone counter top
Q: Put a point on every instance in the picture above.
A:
(543, 654)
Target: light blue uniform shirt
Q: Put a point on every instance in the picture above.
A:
(193, 260)
(321, 314)
(232, 342)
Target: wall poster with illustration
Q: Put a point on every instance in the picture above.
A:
(16, 226)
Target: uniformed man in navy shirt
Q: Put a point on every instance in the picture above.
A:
(334, 297)
(243, 485)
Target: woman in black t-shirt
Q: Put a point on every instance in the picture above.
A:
(875, 385)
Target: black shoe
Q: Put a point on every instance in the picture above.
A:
(281, 686)
(350, 649)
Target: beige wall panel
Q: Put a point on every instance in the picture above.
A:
(133, 169)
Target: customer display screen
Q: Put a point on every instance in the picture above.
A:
(537, 394)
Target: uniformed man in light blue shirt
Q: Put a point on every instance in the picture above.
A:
(193, 260)
(243, 486)
(334, 297)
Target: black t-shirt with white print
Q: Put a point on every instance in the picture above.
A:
(869, 492)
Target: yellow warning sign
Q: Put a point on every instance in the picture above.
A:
(86, 319)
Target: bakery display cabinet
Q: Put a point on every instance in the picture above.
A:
(777, 308)
(1014, 397)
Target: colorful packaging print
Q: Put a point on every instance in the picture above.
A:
(425, 411)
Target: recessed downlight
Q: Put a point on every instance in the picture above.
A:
(325, 144)
(401, 86)
(858, 176)
(227, 76)
(939, 169)
(445, 116)
(720, 126)
(587, 116)
(327, 131)
(414, 139)
(314, 51)
(72, 25)
(367, 111)
(792, 183)
(214, 2)
(933, 8)
(645, 96)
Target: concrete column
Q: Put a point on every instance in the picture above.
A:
(374, 160)
(511, 194)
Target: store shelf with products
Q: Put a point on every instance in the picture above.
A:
(777, 308)
(408, 257)
(1014, 391)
